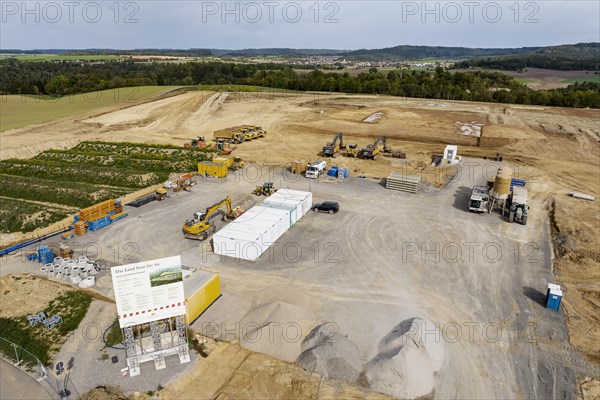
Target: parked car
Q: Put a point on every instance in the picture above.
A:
(330, 207)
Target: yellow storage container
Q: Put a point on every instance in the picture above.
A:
(201, 289)
(224, 160)
(208, 168)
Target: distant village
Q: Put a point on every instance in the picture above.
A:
(337, 63)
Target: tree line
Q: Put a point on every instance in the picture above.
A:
(517, 63)
(59, 78)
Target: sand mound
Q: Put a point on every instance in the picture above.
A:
(25, 294)
(408, 357)
(276, 329)
(331, 354)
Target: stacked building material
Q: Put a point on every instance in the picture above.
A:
(403, 182)
(99, 223)
(517, 182)
(142, 200)
(97, 211)
(98, 216)
(79, 228)
(118, 216)
(67, 235)
(45, 255)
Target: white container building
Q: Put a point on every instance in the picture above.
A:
(257, 229)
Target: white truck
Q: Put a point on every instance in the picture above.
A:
(314, 169)
(479, 199)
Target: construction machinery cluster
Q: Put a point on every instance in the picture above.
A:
(249, 233)
(505, 193)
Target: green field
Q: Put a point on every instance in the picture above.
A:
(56, 57)
(20, 110)
(584, 78)
(57, 183)
(40, 341)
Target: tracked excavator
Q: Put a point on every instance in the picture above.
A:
(371, 152)
(200, 227)
(333, 149)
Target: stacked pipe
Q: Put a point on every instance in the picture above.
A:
(79, 272)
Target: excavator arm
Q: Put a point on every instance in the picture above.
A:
(371, 151)
(339, 137)
(333, 148)
(200, 229)
(215, 207)
(380, 140)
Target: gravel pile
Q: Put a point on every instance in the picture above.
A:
(277, 329)
(407, 360)
(331, 354)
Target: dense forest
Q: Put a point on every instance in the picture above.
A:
(581, 56)
(517, 63)
(64, 77)
(405, 52)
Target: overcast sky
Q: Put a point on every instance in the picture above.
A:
(300, 24)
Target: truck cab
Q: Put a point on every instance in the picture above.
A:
(314, 169)
(479, 199)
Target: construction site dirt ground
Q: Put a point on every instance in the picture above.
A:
(476, 282)
(555, 149)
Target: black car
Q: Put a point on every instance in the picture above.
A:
(330, 207)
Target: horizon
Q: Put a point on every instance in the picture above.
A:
(351, 25)
(282, 48)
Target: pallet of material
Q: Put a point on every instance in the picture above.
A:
(403, 182)
(97, 211)
(116, 217)
(142, 200)
(99, 223)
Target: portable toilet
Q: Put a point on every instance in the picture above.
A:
(553, 297)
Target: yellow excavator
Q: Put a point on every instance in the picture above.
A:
(200, 227)
(371, 152)
(333, 149)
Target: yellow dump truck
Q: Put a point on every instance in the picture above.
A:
(240, 133)
(211, 168)
(231, 135)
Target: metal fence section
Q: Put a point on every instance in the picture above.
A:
(22, 357)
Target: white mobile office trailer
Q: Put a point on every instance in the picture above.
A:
(257, 229)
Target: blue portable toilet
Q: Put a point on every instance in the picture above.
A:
(553, 297)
